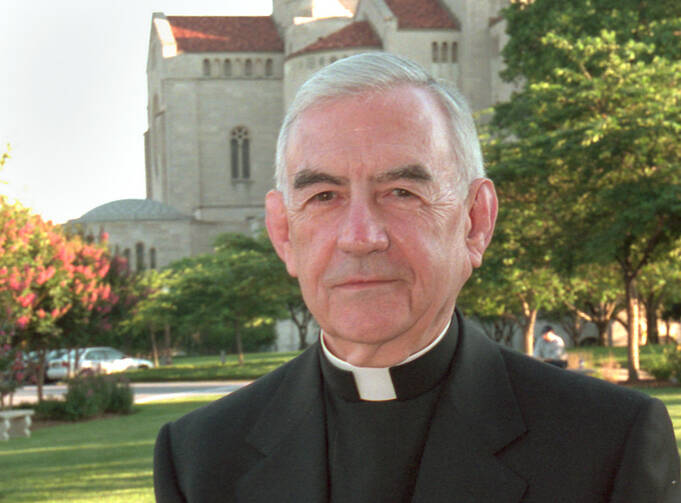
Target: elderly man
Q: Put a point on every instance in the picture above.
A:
(382, 212)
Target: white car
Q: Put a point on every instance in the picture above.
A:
(99, 360)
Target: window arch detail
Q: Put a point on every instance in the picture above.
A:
(240, 153)
(139, 257)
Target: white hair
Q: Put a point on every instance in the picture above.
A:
(376, 72)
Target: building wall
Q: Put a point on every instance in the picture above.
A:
(300, 68)
(192, 115)
(171, 239)
(194, 105)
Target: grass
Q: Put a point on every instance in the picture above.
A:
(209, 368)
(672, 399)
(103, 460)
(109, 460)
(597, 356)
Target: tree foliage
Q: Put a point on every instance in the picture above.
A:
(589, 146)
(53, 287)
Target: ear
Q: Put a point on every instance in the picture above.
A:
(482, 213)
(276, 221)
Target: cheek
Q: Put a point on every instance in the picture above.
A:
(311, 244)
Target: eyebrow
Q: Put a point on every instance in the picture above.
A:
(306, 177)
(409, 172)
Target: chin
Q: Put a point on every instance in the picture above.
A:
(374, 330)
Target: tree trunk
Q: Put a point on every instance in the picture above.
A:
(633, 364)
(602, 328)
(239, 344)
(302, 337)
(651, 320)
(528, 329)
(168, 356)
(40, 373)
(154, 346)
(301, 324)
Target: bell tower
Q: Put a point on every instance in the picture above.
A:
(284, 11)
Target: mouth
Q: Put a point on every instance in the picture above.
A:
(363, 283)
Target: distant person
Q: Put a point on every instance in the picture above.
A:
(382, 211)
(550, 347)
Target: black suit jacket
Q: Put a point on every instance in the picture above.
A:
(507, 429)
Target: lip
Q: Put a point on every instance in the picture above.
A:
(362, 283)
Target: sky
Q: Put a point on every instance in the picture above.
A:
(73, 97)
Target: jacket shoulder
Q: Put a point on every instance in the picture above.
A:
(206, 451)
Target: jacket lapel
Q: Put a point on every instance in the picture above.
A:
(477, 417)
(291, 435)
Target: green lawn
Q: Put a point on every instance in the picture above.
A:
(110, 460)
(209, 368)
(597, 356)
(104, 460)
(672, 399)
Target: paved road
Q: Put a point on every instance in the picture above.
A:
(144, 392)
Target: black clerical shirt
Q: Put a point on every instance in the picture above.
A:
(375, 447)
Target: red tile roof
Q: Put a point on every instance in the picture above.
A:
(422, 14)
(225, 34)
(359, 34)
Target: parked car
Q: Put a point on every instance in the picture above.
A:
(98, 360)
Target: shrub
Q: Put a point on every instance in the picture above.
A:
(661, 368)
(88, 397)
(672, 356)
(51, 409)
(121, 398)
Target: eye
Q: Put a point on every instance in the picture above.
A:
(402, 193)
(323, 197)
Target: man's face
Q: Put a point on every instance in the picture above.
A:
(376, 222)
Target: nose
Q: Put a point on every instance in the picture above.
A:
(362, 231)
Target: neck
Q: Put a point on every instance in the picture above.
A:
(385, 354)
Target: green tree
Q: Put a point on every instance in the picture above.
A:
(658, 287)
(595, 131)
(596, 296)
(283, 288)
(227, 288)
(48, 282)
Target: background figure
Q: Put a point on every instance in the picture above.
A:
(550, 347)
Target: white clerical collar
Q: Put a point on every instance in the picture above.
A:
(375, 384)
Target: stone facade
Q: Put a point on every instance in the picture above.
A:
(206, 88)
(218, 88)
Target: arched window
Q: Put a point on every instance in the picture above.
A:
(444, 53)
(152, 258)
(227, 68)
(268, 68)
(206, 68)
(248, 68)
(240, 153)
(435, 52)
(139, 257)
(455, 52)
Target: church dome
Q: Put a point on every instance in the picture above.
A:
(132, 209)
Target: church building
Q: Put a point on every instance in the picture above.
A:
(218, 88)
